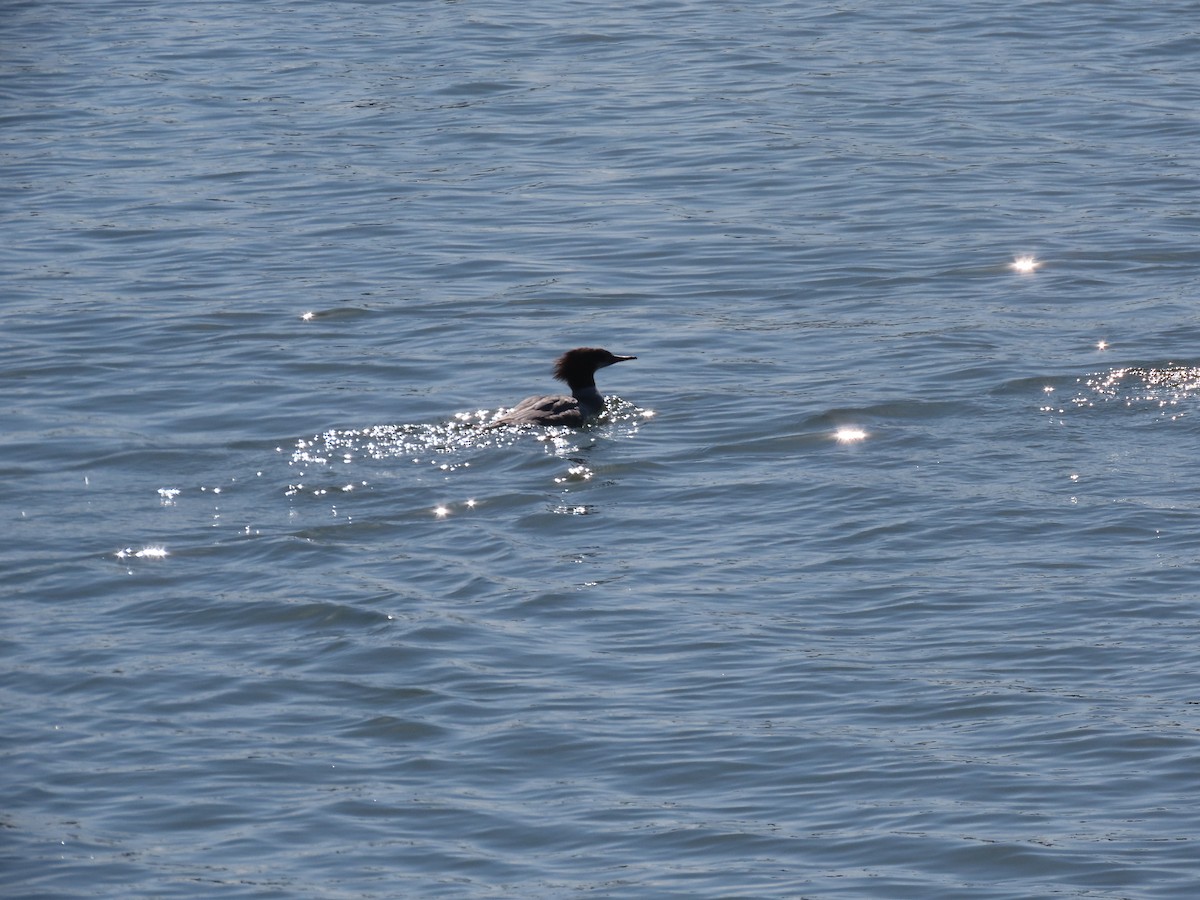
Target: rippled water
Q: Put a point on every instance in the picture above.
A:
(877, 579)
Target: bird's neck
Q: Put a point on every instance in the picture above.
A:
(589, 398)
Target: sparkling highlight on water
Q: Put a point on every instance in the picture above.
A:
(144, 553)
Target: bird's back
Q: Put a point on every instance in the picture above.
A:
(549, 410)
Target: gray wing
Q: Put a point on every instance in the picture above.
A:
(553, 410)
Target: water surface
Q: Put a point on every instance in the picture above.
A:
(877, 580)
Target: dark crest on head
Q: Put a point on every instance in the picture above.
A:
(574, 362)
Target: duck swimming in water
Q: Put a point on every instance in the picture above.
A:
(578, 369)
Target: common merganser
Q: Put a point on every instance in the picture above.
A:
(578, 369)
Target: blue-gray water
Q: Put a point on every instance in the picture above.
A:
(277, 624)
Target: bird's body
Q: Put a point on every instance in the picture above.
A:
(578, 369)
